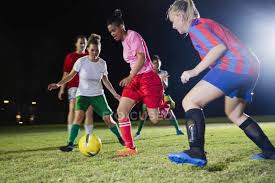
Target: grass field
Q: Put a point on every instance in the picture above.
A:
(30, 154)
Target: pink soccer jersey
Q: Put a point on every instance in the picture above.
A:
(133, 44)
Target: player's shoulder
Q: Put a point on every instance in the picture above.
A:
(82, 59)
(102, 61)
(133, 35)
(202, 21)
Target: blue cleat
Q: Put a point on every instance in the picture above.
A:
(182, 158)
(137, 136)
(179, 132)
(263, 156)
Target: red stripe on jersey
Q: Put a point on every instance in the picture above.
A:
(239, 60)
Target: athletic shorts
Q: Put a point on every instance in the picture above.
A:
(72, 93)
(147, 88)
(99, 103)
(232, 84)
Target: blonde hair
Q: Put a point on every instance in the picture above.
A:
(186, 6)
(94, 39)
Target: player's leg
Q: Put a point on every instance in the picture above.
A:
(82, 104)
(89, 120)
(199, 96)
(102, 108)
(124, 108)
(143, 118)
(234, 109)
(173, 120)
(71, 99)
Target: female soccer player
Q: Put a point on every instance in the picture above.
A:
(142, 84)
(167, 99)
(92, 71)
(71, 58)
(234, 72)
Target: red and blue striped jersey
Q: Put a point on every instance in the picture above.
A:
(206, 34)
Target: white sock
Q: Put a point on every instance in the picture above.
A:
(89, 129)
(69, 128)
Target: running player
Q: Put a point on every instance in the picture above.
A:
(167, 99)
(234, 72)
(92, 72)
(71, 58)
(142, 84)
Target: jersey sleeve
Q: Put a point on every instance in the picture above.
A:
(77, 65)
(105, 70)
(67, 64)
(136, 43)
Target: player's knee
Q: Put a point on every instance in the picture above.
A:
(154, 120)
(121, 113)
(233, 116)
(107, 120)
(189, 103)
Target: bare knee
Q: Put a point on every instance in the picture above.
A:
(108, 121)
(189, 103)
(233, 115)
(154, 120)
(122, 113)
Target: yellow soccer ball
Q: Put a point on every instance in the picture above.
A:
(90, 145)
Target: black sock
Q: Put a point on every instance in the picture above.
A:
(255, 133)
(195, 127)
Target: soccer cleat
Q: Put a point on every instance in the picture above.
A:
(121, 141)
(179, 132)
(127, 152)
(185, 157)
(263, 156)
(67, 148)
(137, 136)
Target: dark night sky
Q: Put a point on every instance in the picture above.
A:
(36, 36)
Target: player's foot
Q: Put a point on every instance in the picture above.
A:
(137, 136)
(121, 141)
(189, 157)
(67, 148)
(263, 156)
(127, 152)
(179, 132)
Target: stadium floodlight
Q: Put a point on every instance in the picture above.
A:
(33, 103)
(20, 122)
(6, 101)
(18, 116)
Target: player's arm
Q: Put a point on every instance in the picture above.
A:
(65, 80)
(212, 56)
(164, 80)
(62, 88)
(109, 86)
(136, 68)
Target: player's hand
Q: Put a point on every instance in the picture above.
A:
(117, 96)
(187, 75)
(52, 86)
(125, 81)
(60, 94)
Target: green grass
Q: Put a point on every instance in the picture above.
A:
(29, 154)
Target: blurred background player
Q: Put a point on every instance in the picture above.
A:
(142, 84)
(233, 74)
(166, 98)
(92, 72)
(80, 51)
